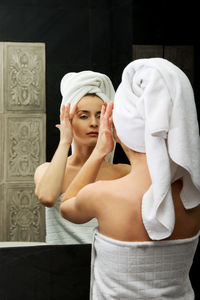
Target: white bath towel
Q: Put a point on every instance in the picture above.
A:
(141, 270)
(155, 112)
(74, 86)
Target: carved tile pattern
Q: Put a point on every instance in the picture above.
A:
(25, 73)
(1, 148)
(2, 214)
(23, 146)
(22, 139)
(1, 77)
(24, 215)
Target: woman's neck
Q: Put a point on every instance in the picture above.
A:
(137, 160)
(80, 154)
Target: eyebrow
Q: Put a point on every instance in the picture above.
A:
(83, 111)
(87, 111)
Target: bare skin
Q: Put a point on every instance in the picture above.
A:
(82, 126)
(117, 203)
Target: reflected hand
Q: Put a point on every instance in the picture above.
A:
(65, 126)
(105, 142)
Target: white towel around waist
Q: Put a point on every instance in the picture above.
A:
(141, 270)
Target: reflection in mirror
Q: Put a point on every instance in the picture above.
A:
(83, 95)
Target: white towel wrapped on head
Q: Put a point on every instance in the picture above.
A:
(155, 113)
(74, 86)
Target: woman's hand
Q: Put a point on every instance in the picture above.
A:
(65, 126)
(105, 142)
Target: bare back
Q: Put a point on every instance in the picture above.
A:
(119, 209)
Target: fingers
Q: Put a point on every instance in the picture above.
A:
(107, 112)
(74, 109)
(111, 120)
(109, 109)
(65, 113)
(103, 109)
(62, 113)
(106, 115)
(57, 126)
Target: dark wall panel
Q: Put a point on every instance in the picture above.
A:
(168, 23)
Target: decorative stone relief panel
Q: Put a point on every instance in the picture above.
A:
(1, 77)
(1, 148)
(25, 145)
(24, 84)
(22, 139)
(2, 215)
(25, 214)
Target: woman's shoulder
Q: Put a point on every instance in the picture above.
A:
(101, 189)
(120, 169)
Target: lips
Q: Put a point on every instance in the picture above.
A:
(93, 133)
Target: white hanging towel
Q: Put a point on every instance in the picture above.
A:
(155, 113)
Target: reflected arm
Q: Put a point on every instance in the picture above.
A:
(49, 176)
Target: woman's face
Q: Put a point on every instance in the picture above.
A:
(86, 120)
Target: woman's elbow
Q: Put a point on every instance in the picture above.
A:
(66, 212)
(46, 201)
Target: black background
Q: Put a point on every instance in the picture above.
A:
(96, 35)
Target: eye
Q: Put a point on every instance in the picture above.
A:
(83, 117)
(98, 115)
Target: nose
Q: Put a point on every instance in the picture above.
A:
(94, 122)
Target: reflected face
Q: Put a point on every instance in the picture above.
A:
(86, 120)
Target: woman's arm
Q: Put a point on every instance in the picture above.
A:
(82, 208)
(49, 177)
(90, 169)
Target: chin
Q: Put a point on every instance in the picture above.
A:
(93, 144)
(90, 143)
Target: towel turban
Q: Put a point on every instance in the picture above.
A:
(155, 113)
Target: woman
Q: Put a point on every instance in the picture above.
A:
(85, 92)
(148, 220)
